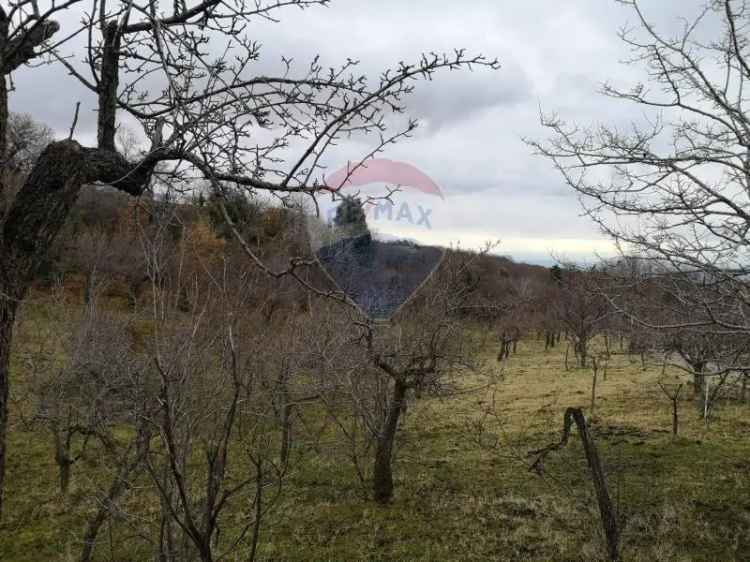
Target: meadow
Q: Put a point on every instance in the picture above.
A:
(464, 490)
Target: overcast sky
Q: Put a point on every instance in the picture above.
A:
(554, 55)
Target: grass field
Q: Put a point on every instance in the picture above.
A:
(463, 488)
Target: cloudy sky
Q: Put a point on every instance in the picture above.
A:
(554, 56)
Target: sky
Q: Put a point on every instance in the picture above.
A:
(554, 56)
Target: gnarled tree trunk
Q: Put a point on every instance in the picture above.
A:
(382, 472)
(34, 220)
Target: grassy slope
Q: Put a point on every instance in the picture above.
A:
(459, 500)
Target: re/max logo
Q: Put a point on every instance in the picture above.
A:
(386, 210)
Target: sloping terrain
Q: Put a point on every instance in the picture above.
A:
(463, 488)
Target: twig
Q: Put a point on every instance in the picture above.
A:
(75, 121)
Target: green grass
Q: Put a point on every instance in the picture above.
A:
(462, 494)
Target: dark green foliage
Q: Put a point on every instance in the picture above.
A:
(556, 273)
(350, 214)
(243, 213)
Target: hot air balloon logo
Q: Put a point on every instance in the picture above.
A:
(371, 239)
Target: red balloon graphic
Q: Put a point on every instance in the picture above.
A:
(382, 170)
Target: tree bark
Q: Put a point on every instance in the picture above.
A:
(383, 473)
(595, 368)
(583, 351)
(4, 30)
(62, 458)
(3, 138)
(108, 82)
(166, 534)
(286, 432)
(698, 383)
(743, 392)
(34, 220)
(674, 398)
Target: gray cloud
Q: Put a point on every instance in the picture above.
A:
(460, 95)
(554, 55)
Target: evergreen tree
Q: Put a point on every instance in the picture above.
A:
(350, 223)
(243, 212)
(556, 273)
(350, 214)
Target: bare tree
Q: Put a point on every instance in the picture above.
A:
(198, 119)
(581, 309)
(25, 141)
(672, 392)
(423, 350)
(218, 452)
(659, 306)
(82, 398)
(674, 191)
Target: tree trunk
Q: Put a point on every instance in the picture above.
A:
(103, 513)
(64, 476)
(165, 538)
(88, 293)
(593, 387)
(4, 197)
(128, 466)
(204, 549)
(37, 214)
(382, 472)
(583, 351)
(286, 433)
(7, 318)
(699, 381)
(132, 298)
(706, 402)
(258, 512)
(62, 458)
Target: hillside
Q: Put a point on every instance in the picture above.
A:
(465, 490)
